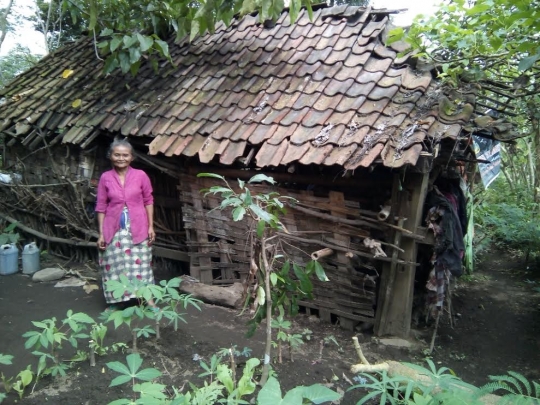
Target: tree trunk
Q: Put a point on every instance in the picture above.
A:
(268, 348)
(4, 22)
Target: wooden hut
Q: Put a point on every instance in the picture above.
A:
(355, 130)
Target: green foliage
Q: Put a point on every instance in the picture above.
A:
(515, 388)
(440, 386)
(51, 18)
(24, 379)
(51, 335)
(165, 295)
(17, 60)
(210, 369)
(132, 371)
(270, 394)
(510, 226)
(224, 389)
(277, 290)
(469, 41)
(8, 236)
(5, 359)
(128, 32)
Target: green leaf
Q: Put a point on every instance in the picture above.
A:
(260, 228)
(5, 359)
(111, 63)
(82, 317)
(146, 42)
(26, 377)
(148, 374)
(212, 175)
(106, 32)
(247, 199)
(224, 375)
(194, 31)
(129, 41)
(125, 64)
(115, 43)
(121, 401)
(151, 390)
(319, 271)
(238, 213)
(395, 35)
(528, 62)
(118, 367)
(261, 214)
(270, 394)
(258, 178)
(319, 394)
(273, 278)
(11, 227)
(121, 379)
(164, 47)
(134, 55)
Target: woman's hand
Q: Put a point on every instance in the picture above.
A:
(101, 243)
(151, 235)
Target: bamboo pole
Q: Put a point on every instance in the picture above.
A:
(342, 249)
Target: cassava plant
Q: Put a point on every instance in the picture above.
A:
(273, 284)
(47, 341)
(5, 359)
(165, 295)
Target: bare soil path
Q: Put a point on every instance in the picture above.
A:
(497, 329)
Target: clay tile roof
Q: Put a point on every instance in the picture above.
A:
(321, 91)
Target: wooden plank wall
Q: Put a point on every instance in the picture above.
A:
(220, 253)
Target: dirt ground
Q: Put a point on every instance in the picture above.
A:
(497, 329)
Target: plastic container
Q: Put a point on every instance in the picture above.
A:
(30, 259)
(9, 259)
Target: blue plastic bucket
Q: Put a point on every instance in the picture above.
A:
(9, 259)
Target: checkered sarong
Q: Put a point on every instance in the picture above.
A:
(123, 257)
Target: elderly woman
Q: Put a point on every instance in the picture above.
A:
(125, 212)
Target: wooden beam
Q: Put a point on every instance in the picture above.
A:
(397, 317)
(170, 254)
(288, 177)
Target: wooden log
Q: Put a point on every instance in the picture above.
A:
(46, 237)
(230, 296)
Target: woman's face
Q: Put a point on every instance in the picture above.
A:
(121, 157)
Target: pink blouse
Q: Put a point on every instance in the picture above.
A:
(135, 195)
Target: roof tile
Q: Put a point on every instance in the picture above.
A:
(294, 153)
(243, 132)
(317, 118)
(325, 91)
(373, 106)
(233, 151)
(294, 116)
(338, 155)
(316, 155)
(208, 149)
(260, 133)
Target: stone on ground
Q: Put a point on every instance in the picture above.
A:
(49, 274)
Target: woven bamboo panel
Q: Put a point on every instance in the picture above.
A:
(220, 247)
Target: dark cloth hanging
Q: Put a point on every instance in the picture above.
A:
(443, 219)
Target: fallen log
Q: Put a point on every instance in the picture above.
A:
(396, 369)
(230, 296)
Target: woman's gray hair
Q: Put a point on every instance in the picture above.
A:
(119, 142)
